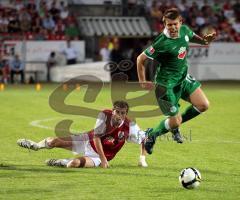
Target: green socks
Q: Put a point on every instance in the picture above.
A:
(190, 113)
(160, 129)
(163, 127)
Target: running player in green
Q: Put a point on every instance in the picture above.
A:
(172, 80)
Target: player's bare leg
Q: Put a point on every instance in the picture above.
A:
(199, 104)
(60, 142)
(47, 143)
(199, 100)
(173, 125)
(81, 162)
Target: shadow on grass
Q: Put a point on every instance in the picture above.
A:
(116, 170)
(28, 191)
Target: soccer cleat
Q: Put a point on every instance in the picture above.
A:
(149, 142)
(56, 162)
(176, 135)
(28, 144)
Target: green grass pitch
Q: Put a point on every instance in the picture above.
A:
(212, 145)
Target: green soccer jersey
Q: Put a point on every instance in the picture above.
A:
(172, 56)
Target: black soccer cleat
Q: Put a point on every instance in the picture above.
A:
(149, 142)
(28, 144)
(176, 135)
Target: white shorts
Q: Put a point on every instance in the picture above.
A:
(81, 145)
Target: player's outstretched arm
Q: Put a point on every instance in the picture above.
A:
(141, 72)
(142, 159)
(205, 40)
(136, 135)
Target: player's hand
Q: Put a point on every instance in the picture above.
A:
(209, 37)
(104, 164)
(148, 85)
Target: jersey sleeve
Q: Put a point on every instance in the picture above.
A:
(100, 125)
(136, 135)
(151, 51)
(189, 32)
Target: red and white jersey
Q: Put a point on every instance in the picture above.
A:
(113, 138)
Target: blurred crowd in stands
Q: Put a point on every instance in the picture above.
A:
(37, 21)
(223, 17)
(52, 20)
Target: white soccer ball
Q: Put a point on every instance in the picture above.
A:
(190, 178)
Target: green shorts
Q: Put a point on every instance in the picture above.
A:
(168, 98)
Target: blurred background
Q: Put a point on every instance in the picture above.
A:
(56, 40)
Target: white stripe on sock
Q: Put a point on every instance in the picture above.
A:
(197, 109)
(166, 124)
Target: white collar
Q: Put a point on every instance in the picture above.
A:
(165, 32)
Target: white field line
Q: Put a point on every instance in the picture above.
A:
(38, 123)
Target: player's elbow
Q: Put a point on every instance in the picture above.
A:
(204, 106)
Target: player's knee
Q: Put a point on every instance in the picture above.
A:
(175, 122)
(74, 163)
(78, 162)
(178, 121)
(53, 142)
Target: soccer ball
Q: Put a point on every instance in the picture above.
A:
(190, 178)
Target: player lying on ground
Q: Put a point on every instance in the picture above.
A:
(99, 145)
(172, 81)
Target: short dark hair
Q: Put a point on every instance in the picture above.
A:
(121, 104)
(171, 13)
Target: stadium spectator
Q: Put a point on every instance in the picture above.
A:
(51, 62)
(236, 25)
(156, 16)
(16, 67)
(36, 24)
(70, 53)
(54, 11)
(99, 145)
(60, 27)
(64, 13)
(25, 21)
(104, 52)
(48, 22)
(3, 22)
(14, 24)
(236, 9)
(62, 6)
(43, 9)
(116, 56)
(41, 34)
(200, 19)
(71, 31)
(216, 7)
(4, 70)
(173, 82)
(183, 8)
